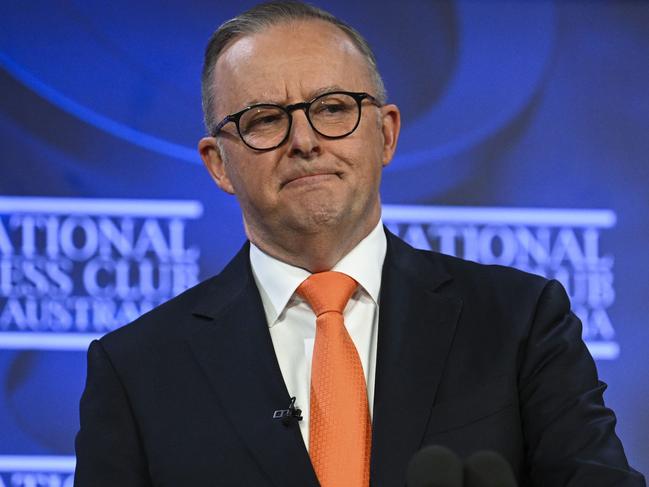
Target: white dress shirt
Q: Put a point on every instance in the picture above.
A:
(292, 322)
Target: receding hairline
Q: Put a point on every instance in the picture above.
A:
(349, 43)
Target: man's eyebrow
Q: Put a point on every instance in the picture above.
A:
(313, 94)
(325, 89)
(254, 101)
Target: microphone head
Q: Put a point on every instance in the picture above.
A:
(434, 466)
(488, 469)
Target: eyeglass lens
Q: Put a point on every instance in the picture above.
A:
(332, 115)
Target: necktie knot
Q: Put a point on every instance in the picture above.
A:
(327, 291)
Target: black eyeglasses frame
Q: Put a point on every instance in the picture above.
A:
(288, 109)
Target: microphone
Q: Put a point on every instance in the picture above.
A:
(488, 469)
(288, 415)
(434, 466)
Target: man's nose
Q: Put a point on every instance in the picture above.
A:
(303, 141)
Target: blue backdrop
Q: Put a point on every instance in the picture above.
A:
(524, 143)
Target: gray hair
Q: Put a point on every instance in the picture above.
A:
(261, 17)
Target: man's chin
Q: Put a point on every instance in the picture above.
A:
(322, 220)
(310, 219)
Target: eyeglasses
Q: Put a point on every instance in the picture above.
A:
(266, 126)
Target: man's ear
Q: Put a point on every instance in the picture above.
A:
(213, 160)
(391, 125)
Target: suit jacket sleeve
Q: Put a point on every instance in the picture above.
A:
(569, 432)
(108, 447)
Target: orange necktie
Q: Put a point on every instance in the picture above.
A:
(340, 432)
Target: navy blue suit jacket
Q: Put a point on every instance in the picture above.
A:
(469, 356)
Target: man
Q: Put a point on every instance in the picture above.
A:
(433, 350)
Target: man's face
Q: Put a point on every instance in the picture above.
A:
(310, 182)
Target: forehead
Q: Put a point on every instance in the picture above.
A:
(288, 62)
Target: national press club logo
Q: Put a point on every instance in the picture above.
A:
(72, 268)
(562, 244)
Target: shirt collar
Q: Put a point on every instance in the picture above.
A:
(277, 280)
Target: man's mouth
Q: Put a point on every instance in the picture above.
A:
(311, 178)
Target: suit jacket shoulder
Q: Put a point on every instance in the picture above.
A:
(179, 317)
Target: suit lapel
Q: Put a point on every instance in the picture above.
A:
(236, 353)
(416, 328)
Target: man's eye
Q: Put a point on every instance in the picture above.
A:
(332, 109)
(265, 120)
(335, 108)
(262, 121)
